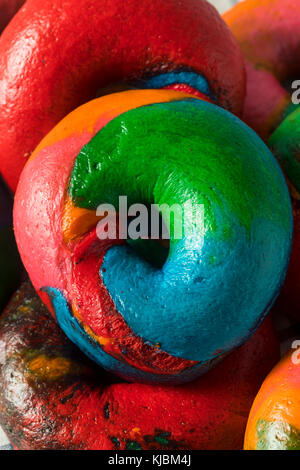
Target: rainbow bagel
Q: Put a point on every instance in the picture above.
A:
(69, 403)
(274, 421)
(268, 34)
(9, 259)
(67, 51)
(171, 319)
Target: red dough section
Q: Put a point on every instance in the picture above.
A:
(58, 54)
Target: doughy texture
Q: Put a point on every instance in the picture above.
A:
(148, 322)
(52, 398)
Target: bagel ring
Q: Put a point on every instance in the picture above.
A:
(69, 403)
(173, 321)
(57, 55)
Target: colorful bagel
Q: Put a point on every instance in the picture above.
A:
(8, 8)
(69, 403)
(274, 421)
(67, 51)
(9, 259)
(171, 321)
(268, 33)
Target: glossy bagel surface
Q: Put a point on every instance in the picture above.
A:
(168, 321)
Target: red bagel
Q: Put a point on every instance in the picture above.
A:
(8, 8)
(57, 54)
(268, 32)
(65, 403)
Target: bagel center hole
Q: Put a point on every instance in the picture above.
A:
(149, 238)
